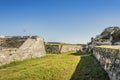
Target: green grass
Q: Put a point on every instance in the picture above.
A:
(89, 69)
(74, 66)
(109, 47)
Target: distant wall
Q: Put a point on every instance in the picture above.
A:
(110, 60)
(32, 47)
(62, 48)
(66, 48)
(52, 48)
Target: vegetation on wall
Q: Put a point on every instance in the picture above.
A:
(113, 31)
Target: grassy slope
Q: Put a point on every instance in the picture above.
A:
(51, 67)
(54, 67)
(89, 69)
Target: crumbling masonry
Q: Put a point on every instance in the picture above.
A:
(109, 59)
(14, 48)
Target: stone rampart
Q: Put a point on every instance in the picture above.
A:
(67, 48)
(109, 58)
(27, 47)
(62, 48)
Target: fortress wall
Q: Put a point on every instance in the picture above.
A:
(7, 55)
(52, 48)
(62, 48)
(31, 48)
(109, 59)
(67, 48)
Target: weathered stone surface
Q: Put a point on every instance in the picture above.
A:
(66, 48)
(109, 60)
(62, 48)
(26, 47)
(52, 48)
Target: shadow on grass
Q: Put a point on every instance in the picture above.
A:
(82, 54)
(88, 68)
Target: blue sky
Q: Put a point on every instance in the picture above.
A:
(71, 21)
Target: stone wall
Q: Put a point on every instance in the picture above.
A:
(30, 48)
(52, 48)
(66, 48)
(109, 59)
(62, 48)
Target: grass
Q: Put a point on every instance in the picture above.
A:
(67, 66)
(89, 69)
(109, 46)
